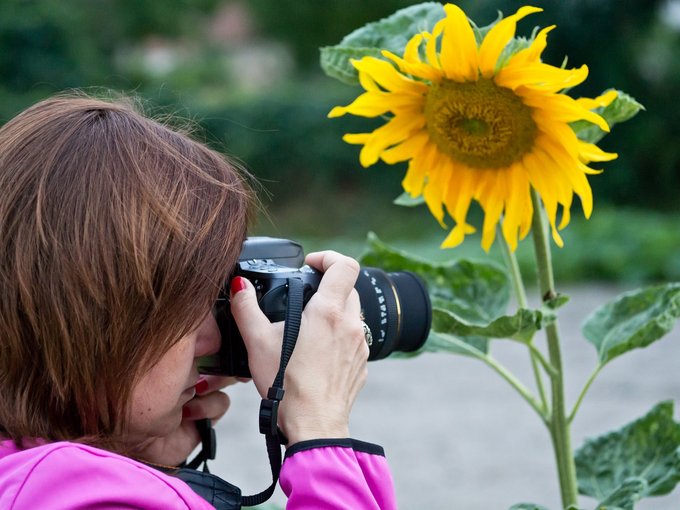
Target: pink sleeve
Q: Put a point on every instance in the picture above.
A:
(74, 476)
(337, 474)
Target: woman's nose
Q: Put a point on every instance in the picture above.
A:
(209, 338)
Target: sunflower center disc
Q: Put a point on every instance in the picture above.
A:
(478, 123)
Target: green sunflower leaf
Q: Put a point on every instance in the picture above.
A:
(336, 61)
(625, 496)
(623, 108)
(391, 33)
(633, 320)
(534, 506)
(521, 326)
(646, 450)
(527, 506)
(556, 302)
(477, 292)
(469, 300)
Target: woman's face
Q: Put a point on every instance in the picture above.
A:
(158, 398)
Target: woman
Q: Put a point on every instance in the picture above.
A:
(116, 236)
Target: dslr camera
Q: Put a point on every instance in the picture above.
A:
(395, 306)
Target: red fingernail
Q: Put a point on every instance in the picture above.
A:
(201, 386)
(186, 412)
(238, 283)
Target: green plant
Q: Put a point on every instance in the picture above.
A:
(470, 298)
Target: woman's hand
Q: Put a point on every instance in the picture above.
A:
(328, 367)
(210, 403)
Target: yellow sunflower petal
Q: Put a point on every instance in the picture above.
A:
(518, 192)
(565, 163)
(560, 107)
(396, 130)
(492, 215)
(412, 49)
(418, 169)
(527, 219)
(540, 183)
(540, 76)
(565, 137)
(437, 177)
(559, 131)
(459, 193)
(557, 238)
(553, 182)
(552, 186)
(368, 83)
(490, 194)
(498, 38)
(587, 170)
(337, 111)
(600, 101)
(356, 138)
(406, 149)
(566, 215)
(547, 193)
(372, 104)
(414, 67)
(458, 46)
(387, 76)
(457, 235)
(431, 44)
(564, 195)
(534, 51)
(414, 181)
(590, 152)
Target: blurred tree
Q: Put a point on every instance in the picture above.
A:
(51, 45)
(312, 23)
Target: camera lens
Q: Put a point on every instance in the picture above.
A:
(396, 306)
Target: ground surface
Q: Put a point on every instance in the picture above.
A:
(458, 438)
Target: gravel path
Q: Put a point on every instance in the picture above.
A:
(458, 437)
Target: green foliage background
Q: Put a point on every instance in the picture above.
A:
(279, 130)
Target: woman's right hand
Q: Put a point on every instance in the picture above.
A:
(328, 367)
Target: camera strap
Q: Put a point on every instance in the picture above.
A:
(268, 420)
(269, 407)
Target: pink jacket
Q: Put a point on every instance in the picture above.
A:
(335, 474)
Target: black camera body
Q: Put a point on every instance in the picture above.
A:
(396, 306)
(269, 279)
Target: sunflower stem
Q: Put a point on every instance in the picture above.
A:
(558, 423)
(521, 296)
(513, 267)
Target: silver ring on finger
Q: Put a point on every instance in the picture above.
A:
(368, 336)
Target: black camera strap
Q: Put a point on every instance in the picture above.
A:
(269, 407)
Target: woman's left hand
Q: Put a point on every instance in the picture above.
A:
(210, 403)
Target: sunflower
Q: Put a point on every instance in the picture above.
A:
(482, 123)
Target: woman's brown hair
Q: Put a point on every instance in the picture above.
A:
(116, 234)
